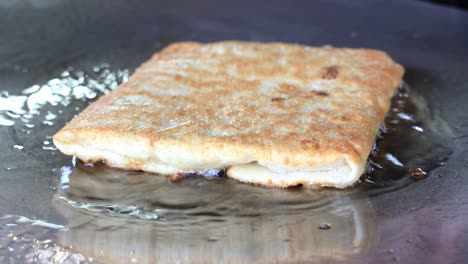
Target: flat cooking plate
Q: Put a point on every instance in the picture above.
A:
(52, 210)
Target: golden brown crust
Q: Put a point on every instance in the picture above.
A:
(273, 103)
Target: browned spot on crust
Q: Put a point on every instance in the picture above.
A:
(345, 118)
(322, 112)
(309, 144)
(287, 87)
(278, 99)
(331, 72)
(289, 136)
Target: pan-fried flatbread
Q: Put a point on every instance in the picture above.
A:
(273, 114)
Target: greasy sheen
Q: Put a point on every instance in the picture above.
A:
(284, 107)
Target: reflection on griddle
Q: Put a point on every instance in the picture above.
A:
(200, 220)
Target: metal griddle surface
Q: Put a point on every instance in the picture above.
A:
(425, 222)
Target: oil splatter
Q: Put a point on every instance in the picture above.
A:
(71, 84)
(417, 173)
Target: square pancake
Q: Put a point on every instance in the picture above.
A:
(273, 114)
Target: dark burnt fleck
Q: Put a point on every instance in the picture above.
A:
(417, 173)
(278, 99)
(319, 93)
(330, 72)
(324, 226)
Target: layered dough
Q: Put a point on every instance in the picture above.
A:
(270, 113)
(339, 174)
